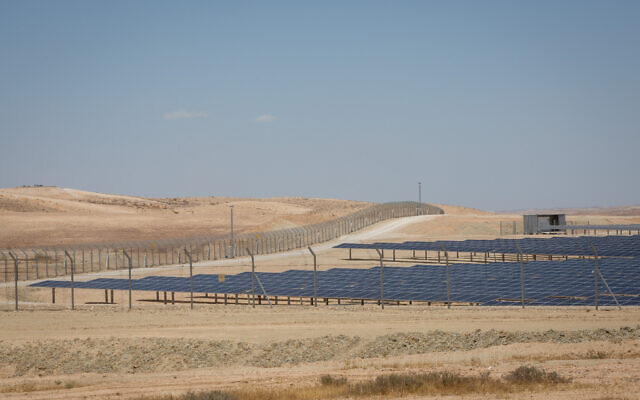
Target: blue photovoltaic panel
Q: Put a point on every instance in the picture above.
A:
(546, 283)
(607, 246)
(631, 227)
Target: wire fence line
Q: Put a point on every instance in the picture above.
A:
(44, 262)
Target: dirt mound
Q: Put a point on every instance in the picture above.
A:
(170, 354)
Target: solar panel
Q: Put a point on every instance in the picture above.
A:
(546, 283)
(614, 246)
(612, 227)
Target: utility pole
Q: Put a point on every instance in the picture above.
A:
(419, 198)
(233, 248)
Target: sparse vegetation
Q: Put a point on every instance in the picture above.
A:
(69, 385)
(597, 354)
(140, 355)
(431, 383)
(329, 380)
(528, 374)
(205, 395)
(33, 385)
(588, 355)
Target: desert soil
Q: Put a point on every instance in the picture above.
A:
(44, 216)
(104, 351)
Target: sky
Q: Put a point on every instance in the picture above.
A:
(496, 105)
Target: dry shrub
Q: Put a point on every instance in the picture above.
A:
(597, 355)
(37, 385)
(527, 374)
(328, 380)
(212, 395)
(205, 395)
(432, 383)
(429, 383)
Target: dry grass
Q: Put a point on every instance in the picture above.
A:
(392, 385)
(588, 355)
(527, 374)
(36, 386)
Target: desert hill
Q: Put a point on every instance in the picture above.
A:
(43, 216)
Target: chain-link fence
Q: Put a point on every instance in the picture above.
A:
(45, 262)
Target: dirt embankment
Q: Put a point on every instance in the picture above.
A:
(123, 355)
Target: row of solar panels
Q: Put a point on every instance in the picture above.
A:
(546, 283)
(632, 227)
(608, 246)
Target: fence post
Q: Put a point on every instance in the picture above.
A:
(258, 279)
(381, 280)
(253, 282)
(72, 261)
(6, 268)
(46, 262)
(315, 278)
(15, 275)
(597, 272)
(188, 254)
(124, 252)
(446, 258)
(521, 273)
(26, 263)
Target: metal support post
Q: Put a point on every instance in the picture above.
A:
(446, 257)
(73, 267)
(521, 274)
(315, 278)
(233, 249)
(253, 280)
(15, 276)
(381, 279)
(253, 274)
(129, 259)
(188, 254)
(597, 271)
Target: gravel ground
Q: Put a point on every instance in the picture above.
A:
(121, 355)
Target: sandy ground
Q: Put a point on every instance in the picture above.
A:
(46, 216)
(87, 353)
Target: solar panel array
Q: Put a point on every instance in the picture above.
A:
(631, 227)
(546, 283)
(616, 246)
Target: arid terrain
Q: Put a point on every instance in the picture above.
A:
(43, 216)
(48, 351)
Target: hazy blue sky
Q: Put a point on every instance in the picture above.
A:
(496, 105)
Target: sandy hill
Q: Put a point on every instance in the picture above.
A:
(42, 216)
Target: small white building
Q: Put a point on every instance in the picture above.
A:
(537, 223)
